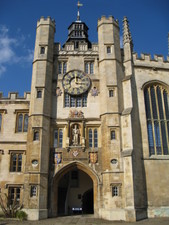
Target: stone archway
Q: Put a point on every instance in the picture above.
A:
(57, 191)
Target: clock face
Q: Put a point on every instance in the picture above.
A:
(76, 82)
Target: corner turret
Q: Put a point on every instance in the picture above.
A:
(128, 47)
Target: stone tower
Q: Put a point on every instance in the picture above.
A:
(91, 137)
(111, 74)
(37, 160)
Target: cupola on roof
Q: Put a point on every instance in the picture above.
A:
(78, 31)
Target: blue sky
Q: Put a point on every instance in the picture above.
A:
(149, 25)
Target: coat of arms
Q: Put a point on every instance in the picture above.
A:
(76, 114)
(93, 157)
(57, 158)
(75, 153)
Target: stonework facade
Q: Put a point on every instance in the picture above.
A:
(92, 136)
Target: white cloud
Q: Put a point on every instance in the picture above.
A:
(8, 53)
(2, 70)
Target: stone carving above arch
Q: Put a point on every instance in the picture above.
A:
(76, 114)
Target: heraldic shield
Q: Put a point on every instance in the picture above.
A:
(57, 158)
(93, 157)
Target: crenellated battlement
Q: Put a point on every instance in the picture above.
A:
(107, 20)
(70, 50)
(46, 21)
(147, 60)
(12, 96)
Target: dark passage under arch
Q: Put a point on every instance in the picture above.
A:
(87, 202)
(75, 193)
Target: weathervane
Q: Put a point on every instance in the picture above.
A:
(78, 13)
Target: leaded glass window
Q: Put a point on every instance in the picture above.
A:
(14, 195)
(115, 191)
(89, 67)
(75, 101)
(86, 67)
(79, 102)
(62, 67)
(39, 94)
(108, 49)
(66, 100)
(58, 138)
(93, 137)
(113, 135)
(84, 100)
(33, 191)
(90, 138)
(72, 101)
(157, 113)
(25, 129)
(22, 122)
(16, 162)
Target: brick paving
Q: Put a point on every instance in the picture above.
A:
(84, 220)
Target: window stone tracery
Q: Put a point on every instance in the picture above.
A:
(157, 113)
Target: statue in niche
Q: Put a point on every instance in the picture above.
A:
(94, 92)
(58, 91)
(75, 135)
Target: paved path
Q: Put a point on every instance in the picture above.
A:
(84, 220)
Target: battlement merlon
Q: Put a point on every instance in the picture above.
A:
(145, 60)
(69, 48)
(109, 20)
(12, 96)
(46, 21)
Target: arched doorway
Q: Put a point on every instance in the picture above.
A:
(72, 187)
(75, 191)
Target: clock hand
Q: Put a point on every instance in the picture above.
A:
(80, 83)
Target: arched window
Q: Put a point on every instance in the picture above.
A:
(157, 113)
(89, 67)
(39, 93)
(20, 120)
(93, 137)
(25, 129)
(16, 162)
(90, 138)
(64, 67)
(58, 138)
